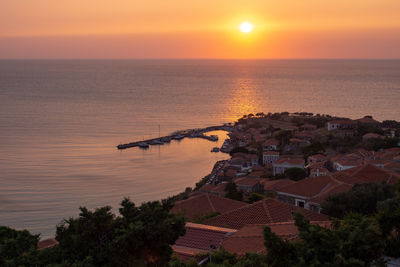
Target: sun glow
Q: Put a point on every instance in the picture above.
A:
(246, 27)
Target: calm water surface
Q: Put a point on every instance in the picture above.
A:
(60, 122)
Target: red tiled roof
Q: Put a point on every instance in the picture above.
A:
(247, 181)
(201, 236)
(47, 243)
(271, 142)
(293, 161)
(216, 189)
(308, 187)
(250, 238)
(371, 173)
(338, 188)
(264, 211)
(204, 204)
(274, 185)
(318, 156)
(368, 120)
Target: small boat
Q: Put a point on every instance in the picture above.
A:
(143, 145)
(178, 137)
(158, 142)
(214, 137)
(166, 139)
(215, 149)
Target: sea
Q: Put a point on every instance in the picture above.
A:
(61, 120)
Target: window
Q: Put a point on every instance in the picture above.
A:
(300, 203)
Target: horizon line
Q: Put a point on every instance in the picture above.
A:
(327, 58)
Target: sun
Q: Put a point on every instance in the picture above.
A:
(246, 27)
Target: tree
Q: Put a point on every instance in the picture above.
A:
(355, 241)
(295, 174)
(361, 198)
(17, 248)
(254, 197)
(232, 192)
(313, 148)
(141, 236)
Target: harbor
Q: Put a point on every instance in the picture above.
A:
(179, 135)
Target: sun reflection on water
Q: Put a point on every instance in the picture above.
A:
(244, 99)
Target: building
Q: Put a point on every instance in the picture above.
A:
(318, 172)
(341, 124)
(201, 205)
(198, 239)
(369, 136)
(250, 238)
(302, 192)
(311, 192)
(249, 185)
(280, 166)
(316, 159)
(270, 156)
(368, 121)
(271, 144)
(265, 211)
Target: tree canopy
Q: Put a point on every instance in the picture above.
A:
(361, 198)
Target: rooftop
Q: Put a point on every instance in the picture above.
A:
(204, 204)
(262, 212)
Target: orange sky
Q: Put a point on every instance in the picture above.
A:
(199, 29)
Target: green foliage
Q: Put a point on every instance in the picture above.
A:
(254, 197)
(232, 192)
(295, 174)
(141, 236)
(280, 252)
(362, 198)
(389, 221)
(17, 248)
(355, 241)
(202, 182)
(313, 148)
(284, 137)
(376, 144)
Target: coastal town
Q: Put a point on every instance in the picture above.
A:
(281, 164)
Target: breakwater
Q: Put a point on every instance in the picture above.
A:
(179, 135)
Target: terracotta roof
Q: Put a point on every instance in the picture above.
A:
(308, 187)
(371, 136)
(250, 238)
(338, 188)
(367, 120)
(318, 157)
(204, 204)
(47, 243)
(274, 185)
(247, 181)
(264, 211)
(201, 236)
(271, 142)
(370, 173)
(216, 189)
(293, 161)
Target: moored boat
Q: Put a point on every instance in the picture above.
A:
(143, 145)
